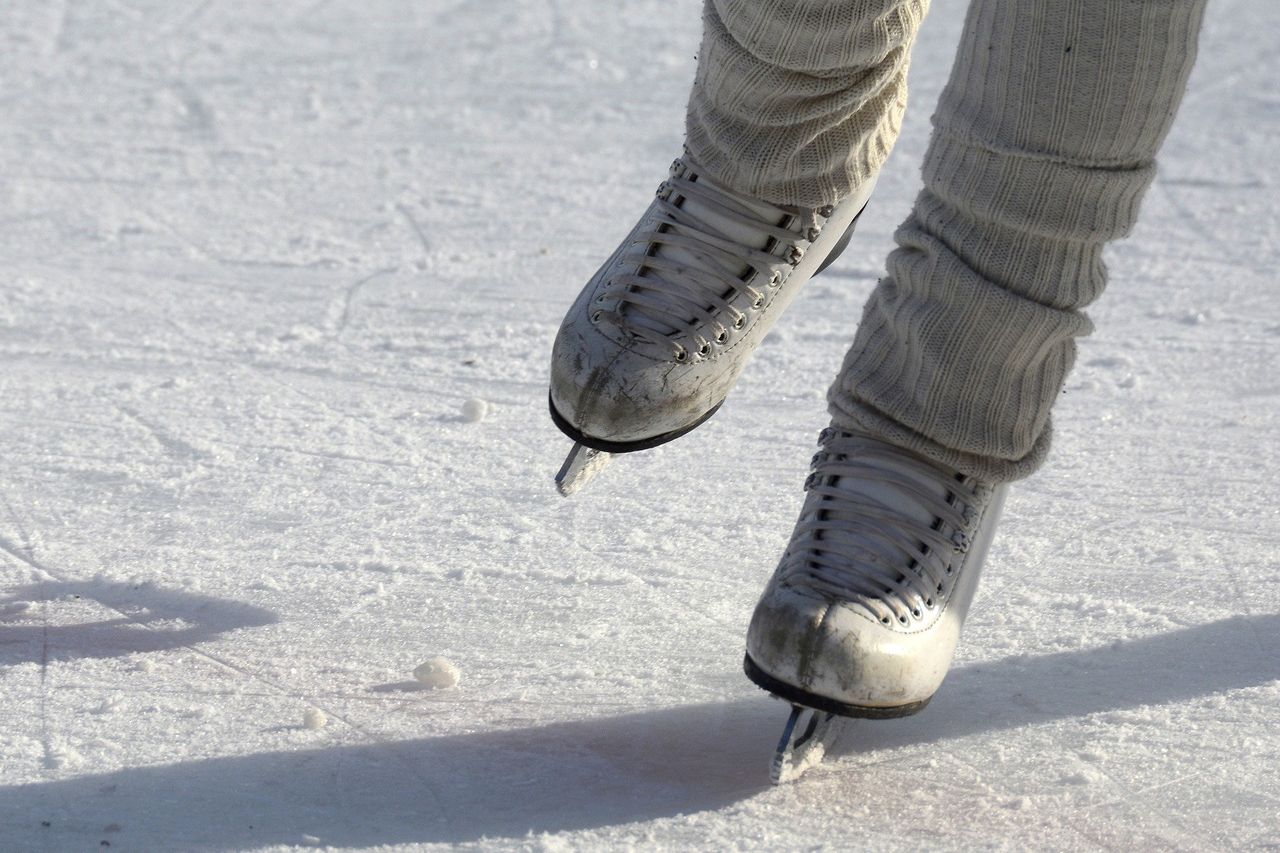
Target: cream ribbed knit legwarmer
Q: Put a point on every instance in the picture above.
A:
(799, 101)
(1043, 146)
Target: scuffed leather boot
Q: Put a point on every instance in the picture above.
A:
(863, 614)
(658, 337)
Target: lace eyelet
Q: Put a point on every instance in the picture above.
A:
(757, 303)
(885, 620)
(918, 613)
(704, 349)
(739, 322)
(826, 210)
(722, 337)
(929, 603)
(682, 354)
(775, 279)
(595, 318)
(903, 620)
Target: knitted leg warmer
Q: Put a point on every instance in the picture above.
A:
(1044, 143)
(799, 101)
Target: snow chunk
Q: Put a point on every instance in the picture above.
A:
(314, 719)
(438, 674)
(475, 410)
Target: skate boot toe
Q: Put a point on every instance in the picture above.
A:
(839, 659)
(608, 396)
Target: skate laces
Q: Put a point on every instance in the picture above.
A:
(866, 542)
(693, 282)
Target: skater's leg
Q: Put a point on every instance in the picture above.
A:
(794, 109)
(1044, 143)
(1043, 146)
(799, 101)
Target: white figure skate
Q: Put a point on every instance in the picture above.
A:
(863, 614)
(658, 337)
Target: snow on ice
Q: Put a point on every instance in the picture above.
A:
(474, 411)
(438, 673)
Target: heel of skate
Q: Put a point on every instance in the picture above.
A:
(841, 244)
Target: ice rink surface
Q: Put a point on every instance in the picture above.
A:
(278, 283)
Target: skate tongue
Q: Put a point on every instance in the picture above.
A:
(896, 495)
(893, 498)
(730, 228)
(713, 221)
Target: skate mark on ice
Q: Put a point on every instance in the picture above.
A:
(401, 687)
(48, 760)
(558, 37)
(417, 230)
(24, 555)
(697, 612)
(311, 11)
(163, 224)
(340, 308)
(57, 42)
(181, 23)
(1133, 795)
(176, 447)
(23, 218)
(331, 455)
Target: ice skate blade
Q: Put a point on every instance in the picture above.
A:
(803, 744)
(580, 467)
(797, 696)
